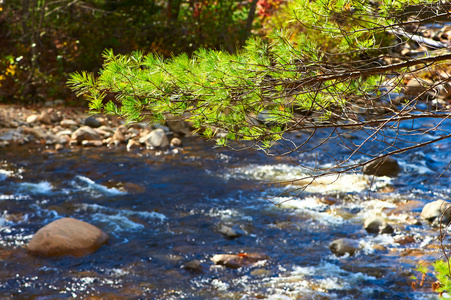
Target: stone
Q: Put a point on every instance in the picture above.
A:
(92, 143)
(384, 166)
(176, 142)
(229, 232)
(32, 119)
(178, 126)
(437, 209)
(236, 261)
(37, 132)
(377, 225)
(67, 236)
(119, 136)
(155, 139)
(44, 118)
(92, 122)
(67, 123)
(85, 133)
(194, 266)
(342, 246)
(132, 144)
(134, 188)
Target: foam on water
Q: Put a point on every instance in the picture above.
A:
(299, 176)
(5, 174)
(87, 184)
(315, 281)
(118, 220)
(42, 187)
(311, 206)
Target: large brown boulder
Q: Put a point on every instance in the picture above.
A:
(67, 236)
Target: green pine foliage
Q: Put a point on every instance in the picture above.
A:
(272, 76)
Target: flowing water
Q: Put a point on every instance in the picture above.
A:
(162, 210)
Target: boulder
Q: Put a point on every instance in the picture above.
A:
(377, 225)
(236, 261)
(67, 236)
(155, 139)
(85, 133)
(437, 209)
(384, 166)
(342, 246)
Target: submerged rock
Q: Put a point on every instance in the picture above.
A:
(435, 210)
(384, 166)
(229, 232)
(67, 236)
(194, 266)
(342, 246)
(376, 224)
(236, 261)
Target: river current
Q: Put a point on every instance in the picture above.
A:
(162, 210)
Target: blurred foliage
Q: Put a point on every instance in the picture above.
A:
(43, 41)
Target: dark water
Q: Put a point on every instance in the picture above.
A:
(172, 215)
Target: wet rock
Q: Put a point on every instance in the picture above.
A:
(155, 139)
(44, 118)
(384, 166)
(236, 261)
(67, 236)
(67, 123)
(377, 225)
(134, 188)
(194, 266)
(229, 232)
(176, 142)
(342, 246)
(404, 240)
(92, 122)
(437, 210)
(85, 133)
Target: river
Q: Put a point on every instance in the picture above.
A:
(174, 204)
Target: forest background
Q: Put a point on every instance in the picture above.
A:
(41, 42)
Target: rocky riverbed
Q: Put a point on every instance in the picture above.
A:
(192, 222)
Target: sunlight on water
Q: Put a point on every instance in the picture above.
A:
(298, 176)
